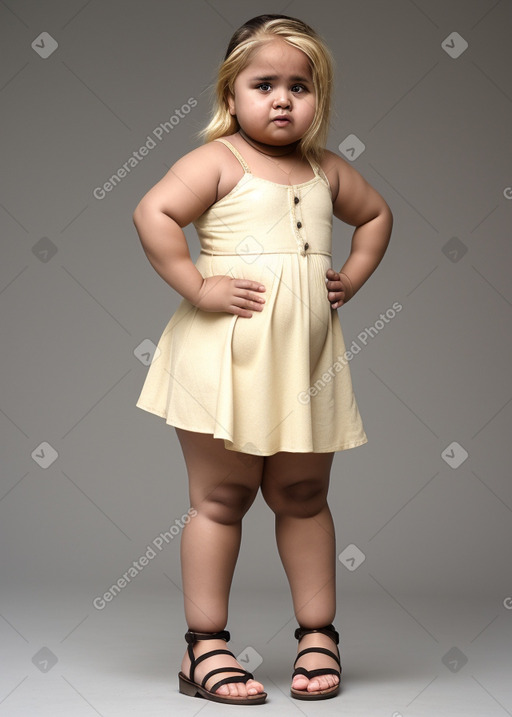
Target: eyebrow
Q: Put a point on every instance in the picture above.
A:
(295, 78)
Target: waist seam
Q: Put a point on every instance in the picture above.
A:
(259, 253)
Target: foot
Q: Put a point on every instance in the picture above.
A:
(233, 689)
(315, 661)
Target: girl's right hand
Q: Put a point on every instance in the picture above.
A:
(236, 296)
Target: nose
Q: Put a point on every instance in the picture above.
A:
(281, 100)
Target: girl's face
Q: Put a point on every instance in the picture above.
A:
(276, 83)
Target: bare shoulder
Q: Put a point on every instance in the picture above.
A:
(336, 169)
(355, 201)
(207, 157)
(189, 187)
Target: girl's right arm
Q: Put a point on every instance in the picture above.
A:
(180, 197)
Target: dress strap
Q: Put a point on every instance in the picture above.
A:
(235, 152)
(317, 169)
(320, 173)
(314, 166)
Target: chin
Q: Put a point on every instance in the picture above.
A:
(273, 141)
(282, 137)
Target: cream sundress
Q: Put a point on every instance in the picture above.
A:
(277, 381)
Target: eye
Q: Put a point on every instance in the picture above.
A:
(300, 88)
(262, 85)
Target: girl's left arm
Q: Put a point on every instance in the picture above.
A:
(357, 203)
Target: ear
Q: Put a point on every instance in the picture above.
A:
(231, 103)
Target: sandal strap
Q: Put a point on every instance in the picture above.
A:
(244, 677)
(206, 655)
(328, 630)
(194, 661)
(313, 673)
(192, 637)
(322, 650)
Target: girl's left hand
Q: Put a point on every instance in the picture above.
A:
(337, 293)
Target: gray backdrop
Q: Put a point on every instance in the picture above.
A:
(90, 483)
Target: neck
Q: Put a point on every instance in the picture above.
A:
(269, 149)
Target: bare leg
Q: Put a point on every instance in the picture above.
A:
(295, 487)
(222, 487)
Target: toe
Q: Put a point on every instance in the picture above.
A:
(322, 682)
(300, 682)
(240, 689)
(254, 687)
(228, 690)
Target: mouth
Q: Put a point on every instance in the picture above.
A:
(281, 121)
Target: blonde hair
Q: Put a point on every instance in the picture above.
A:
(242, 47)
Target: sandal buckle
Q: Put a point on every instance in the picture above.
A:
(192, 637)
(328, 630)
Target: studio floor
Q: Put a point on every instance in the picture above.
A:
(412, 656)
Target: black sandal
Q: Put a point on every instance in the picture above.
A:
(330, 631)
(193, 689)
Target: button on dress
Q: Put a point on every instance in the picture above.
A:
(280, 380)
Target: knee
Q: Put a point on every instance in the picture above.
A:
(303, 499)
(226, 504)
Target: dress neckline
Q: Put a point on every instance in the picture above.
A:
(286, 186)
(242, 181)
(247, 170)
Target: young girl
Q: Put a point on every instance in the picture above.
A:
(250, 370)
